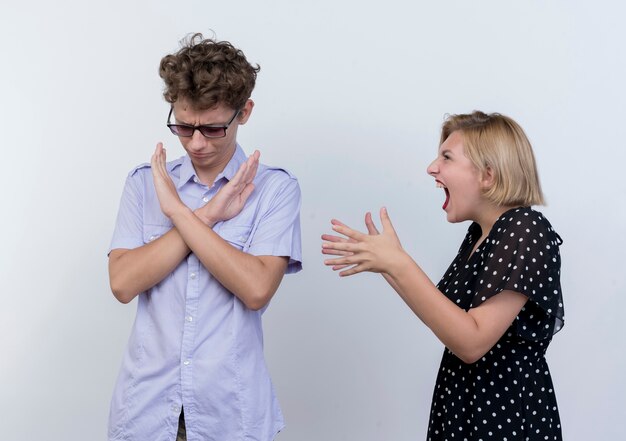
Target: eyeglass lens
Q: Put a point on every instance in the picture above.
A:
(187, 131)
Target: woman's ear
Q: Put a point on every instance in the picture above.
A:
(487, 178)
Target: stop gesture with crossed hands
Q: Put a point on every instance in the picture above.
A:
(226, 204)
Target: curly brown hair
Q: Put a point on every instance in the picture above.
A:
(207, 72)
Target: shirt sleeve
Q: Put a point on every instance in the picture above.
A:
(524, 257)
(277, 233)
(128, 233)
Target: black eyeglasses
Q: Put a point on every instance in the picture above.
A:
(208, 131)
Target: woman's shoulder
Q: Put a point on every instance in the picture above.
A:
(525, 221)
(522, 216)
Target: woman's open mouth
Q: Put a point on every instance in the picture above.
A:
(445, 189)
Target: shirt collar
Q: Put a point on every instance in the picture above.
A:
(239, 157)
(187, 171)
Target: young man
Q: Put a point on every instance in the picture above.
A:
(203, 242)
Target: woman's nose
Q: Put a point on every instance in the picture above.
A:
(433, 168)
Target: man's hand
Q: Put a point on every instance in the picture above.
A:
(230, 200)
(166, 190)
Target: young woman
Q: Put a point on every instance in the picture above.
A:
(499, 303)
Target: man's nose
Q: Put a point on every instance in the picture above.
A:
(198, 140)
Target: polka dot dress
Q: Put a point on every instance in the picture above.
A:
(508, 393)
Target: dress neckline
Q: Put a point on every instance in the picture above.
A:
(476, 231)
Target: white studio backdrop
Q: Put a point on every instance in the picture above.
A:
(350, 98)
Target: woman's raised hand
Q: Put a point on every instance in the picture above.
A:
(375, 252)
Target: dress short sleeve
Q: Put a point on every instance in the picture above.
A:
(521, 254)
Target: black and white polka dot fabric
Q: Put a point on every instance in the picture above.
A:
(508, 394)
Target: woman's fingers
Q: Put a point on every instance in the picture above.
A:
(349, 249)
(334, 239)
(347, 231)
(337, 222)
(345, 260)
(341, 246)
(331, 238)
(354, 270)
(336, 252)
(386, 220)
(369, 223)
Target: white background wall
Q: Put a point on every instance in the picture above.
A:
(350, 97)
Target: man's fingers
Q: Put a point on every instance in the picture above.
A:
(255, 157)
(163, 157)
(155, 156)
(239, 176)
(253, 165)
(158, 159)
(246, 173)
(247, 191)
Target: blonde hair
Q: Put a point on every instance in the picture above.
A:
(496, 142)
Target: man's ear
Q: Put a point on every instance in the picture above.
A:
(245, 112)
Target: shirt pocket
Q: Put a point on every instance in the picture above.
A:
(153, 232)
(236, 235)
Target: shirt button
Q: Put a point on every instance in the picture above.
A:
(189, 318)
(152, 238)
(192, 275)
(195, 179)
(174, 408)
(186, 362)
(205, 199)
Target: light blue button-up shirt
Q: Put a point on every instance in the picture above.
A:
(194, 344)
